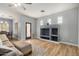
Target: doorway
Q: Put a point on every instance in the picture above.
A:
(28, 30)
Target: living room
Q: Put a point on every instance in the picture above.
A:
(39, 29)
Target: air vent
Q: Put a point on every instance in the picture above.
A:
(24, 8)
(28, 3)
(42, 10)
(10, 5)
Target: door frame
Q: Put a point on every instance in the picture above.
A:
(26, 30)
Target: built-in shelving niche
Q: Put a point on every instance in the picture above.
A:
(50, 32)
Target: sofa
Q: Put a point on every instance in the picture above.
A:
(23, 46)
(9, 49)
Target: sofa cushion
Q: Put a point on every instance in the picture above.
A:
(23, 46)
(18, 52)
(8, 51)
(8, 43)
(3, 37)
(1, 42)
(4, 49)
(11, 53)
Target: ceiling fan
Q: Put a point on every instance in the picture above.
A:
(19, 4)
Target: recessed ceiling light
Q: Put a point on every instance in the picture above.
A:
(15, 5)
(42, 10)
(10, 5)
(18, 4)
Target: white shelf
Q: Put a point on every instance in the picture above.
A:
(44, 36)
(55, 35)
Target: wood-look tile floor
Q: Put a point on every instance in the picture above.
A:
(45, 48)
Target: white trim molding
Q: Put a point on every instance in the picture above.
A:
(69, 43)
(59, 42)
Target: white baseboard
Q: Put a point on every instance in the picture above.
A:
(69, 43)
(59, 42)
(49, 41)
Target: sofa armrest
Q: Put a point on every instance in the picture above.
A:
(4, 50)
(11, 53)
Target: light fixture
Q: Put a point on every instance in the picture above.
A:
(1, 21)
(60, 20)
(49, 21)
(41, 22)
(17, 4)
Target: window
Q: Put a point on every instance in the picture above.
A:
(41, 22)
(60, 20)
(4, 26)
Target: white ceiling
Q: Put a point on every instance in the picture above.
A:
(34, 9)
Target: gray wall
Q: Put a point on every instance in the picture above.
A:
(21, 26)
(78, 26)
(69, 27)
